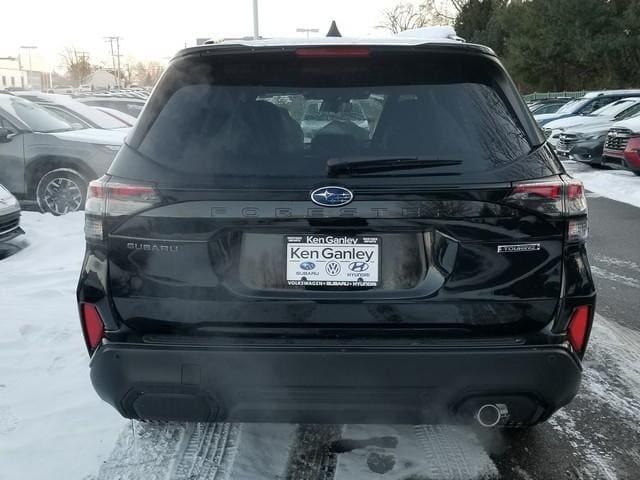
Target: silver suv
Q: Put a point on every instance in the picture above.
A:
(43, 159)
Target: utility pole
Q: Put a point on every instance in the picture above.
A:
(307, 31)
(83, 56)
(29, 48)
(115, 55)
(256, 29)
(118, 53)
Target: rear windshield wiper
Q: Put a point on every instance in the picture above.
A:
(373, 164)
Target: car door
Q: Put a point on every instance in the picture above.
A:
(12, 159)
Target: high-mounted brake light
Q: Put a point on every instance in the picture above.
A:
(327, 52)
(92, 325)
(579, 325)
(111, 199)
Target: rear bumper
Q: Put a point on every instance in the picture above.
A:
(333, 385)
(617, 159)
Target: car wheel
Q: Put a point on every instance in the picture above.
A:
(61, 191)
(636, 172)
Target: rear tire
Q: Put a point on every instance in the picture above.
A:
(61, 191)
(636, 172)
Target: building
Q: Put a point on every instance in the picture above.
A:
(10, 74)
(100, 80)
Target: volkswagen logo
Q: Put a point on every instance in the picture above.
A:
(331, 196)
(307, 265)
(358, 266)
(333, 268)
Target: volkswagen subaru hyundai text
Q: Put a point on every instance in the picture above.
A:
(431, 265)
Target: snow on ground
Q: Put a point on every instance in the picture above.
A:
(52, 424)
(618, 185)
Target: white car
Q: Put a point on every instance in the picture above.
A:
(619, 110)
(9, 216)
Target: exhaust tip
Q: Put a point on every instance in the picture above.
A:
(491, 415)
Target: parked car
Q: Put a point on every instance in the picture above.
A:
(603, 117)
(437, 270)
(9, 216)
(45, 160)
(591, 102)
(622, 147)
(550, 105)
(130, 106)
(63, 89)
(125, 118)
(75, 113)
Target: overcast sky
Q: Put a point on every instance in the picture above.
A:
(155, 30)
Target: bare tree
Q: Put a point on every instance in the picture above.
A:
(77, 64)
(447, 10)
(407, 16)
(404, 16)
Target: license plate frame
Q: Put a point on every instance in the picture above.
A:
(333, 260)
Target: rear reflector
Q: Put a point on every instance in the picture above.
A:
(579, 328)
(327, 52)
(92, 325)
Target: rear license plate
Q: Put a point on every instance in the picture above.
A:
(333, 260)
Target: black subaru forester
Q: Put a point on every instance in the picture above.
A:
(336, 231)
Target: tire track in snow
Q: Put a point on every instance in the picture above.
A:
(311, 457)
(173, 450)
(454, 453)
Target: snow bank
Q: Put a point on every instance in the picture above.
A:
(618, 185)
(52, 424)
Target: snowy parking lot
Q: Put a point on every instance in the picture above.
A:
(53, 425)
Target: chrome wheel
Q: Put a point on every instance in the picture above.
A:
(62, 195)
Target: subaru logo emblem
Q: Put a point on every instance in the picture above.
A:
(358, 266)
(307, 265)
(331, 196)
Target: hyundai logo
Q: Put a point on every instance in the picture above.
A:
(331, 196)
(307, 265)
(358, 266)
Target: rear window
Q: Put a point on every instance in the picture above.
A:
(286, 118)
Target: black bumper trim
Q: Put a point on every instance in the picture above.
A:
(335, 386)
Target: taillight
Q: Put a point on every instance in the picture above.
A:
(92, 325)
(632, 153)
(544, 197)
(107, 198)
(557, 198)
(332, 52)
(579, 325)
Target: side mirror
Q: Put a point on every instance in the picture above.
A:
(5, 135)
